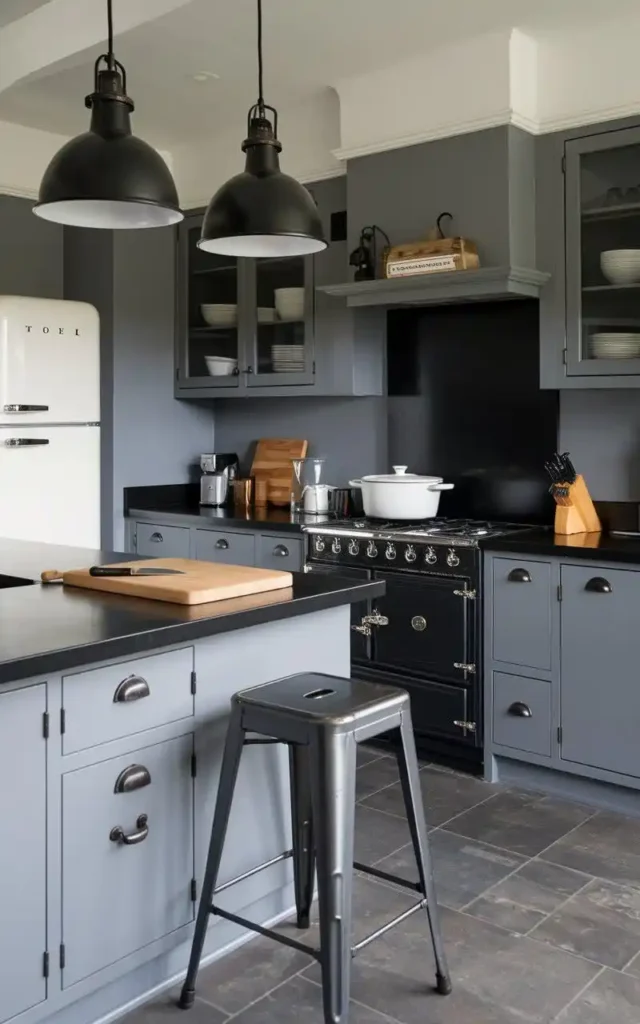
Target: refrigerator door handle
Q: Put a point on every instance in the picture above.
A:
(25, 442)
(26, 408)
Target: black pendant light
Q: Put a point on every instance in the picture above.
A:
(262, 212)
(106, 178)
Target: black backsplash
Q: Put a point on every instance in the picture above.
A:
(464, 396)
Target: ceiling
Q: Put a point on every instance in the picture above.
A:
(11, 10)
(309, 45)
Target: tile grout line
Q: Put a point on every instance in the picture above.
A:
(578, 994)
(252, 1002)
(552, 912)
(357, 1002)
(473, 807)
(484, 892)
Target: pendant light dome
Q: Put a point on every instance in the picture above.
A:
(262, 212)
(107, 178)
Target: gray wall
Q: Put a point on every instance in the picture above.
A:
(30, 251)
(601, 429)
(148, 436)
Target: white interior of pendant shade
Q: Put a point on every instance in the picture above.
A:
(108, 213)
(263, 245)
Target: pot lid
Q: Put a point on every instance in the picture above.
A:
(400, 476)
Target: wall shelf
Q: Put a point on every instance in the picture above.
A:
(485, 284)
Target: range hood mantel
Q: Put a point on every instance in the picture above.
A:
(461, 286)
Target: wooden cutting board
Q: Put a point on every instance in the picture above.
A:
(272, 460)
(203, 581)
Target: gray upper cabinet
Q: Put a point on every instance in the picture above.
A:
(23, 921)
(588, 202)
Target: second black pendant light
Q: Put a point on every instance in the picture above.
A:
(107, 178)
(262, 212)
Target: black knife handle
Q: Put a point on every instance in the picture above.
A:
(108, 570)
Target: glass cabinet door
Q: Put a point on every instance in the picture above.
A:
(281, 351)
(603, 254)
(208, 314)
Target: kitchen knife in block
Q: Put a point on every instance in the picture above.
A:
(577, 514)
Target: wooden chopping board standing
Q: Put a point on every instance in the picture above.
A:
(201, 583)
(273, 461)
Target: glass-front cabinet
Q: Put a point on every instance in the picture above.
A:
(602, 181)
(242, 323)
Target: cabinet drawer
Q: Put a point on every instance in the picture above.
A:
(280, 552)
(118, 898)
(162, 541)
(522, 713)
(231, 548)
(522, 612)
(105, 704)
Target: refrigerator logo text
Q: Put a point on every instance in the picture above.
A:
(47, 330)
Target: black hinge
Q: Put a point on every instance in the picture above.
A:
(193, 682)
(45, 964)
(564, 357)
(313, 367)
(63, 720)
(194, 890)
(45, 724)
(63, 956)
(564, 165)
(194, 766)
(177, 373)
(559, 734)
(559, 591)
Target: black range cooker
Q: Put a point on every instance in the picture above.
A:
(425, 633)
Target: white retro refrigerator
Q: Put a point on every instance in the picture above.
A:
(49, 421)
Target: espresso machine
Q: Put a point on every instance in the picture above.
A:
(218, 472)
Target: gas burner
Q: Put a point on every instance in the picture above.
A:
(465, 532)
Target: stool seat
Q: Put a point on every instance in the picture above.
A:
(321, 718)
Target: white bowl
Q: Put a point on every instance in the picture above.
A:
(621, 266)
(219, 315)
(289, 303)
(220, 366)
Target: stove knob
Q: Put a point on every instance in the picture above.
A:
(410, 553)
(430, 557)
(319, 544)
(452, 558)
(390, 552)
(372, 550)
(336, 546)
(354, 547)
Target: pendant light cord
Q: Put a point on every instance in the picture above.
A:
(260, 93)
(110, 55)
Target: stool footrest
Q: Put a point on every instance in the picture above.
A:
(253, 871)
(377, 873)
(386, 927)
(269, 932)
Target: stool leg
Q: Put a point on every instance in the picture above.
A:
(302, 830)
(333, 789)
(410, 781)
(224, 798)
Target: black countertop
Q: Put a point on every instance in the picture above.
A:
(46, 629)
(598, 547)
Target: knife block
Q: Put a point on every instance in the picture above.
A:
(577, 512)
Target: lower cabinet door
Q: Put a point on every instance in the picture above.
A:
(23, 812)
(360, 642)
(127, 854)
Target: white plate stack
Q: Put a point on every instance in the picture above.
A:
(287, 358)
(615, 345)
(220, 314)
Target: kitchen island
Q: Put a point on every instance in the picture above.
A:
(112, 718)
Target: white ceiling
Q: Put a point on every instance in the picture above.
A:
(11, 10)
(308, 44)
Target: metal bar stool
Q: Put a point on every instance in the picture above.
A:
(321, 718)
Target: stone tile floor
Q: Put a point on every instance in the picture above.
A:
(540, 908)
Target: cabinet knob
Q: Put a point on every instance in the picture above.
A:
(156, 537)
(598, 585)
(520, 710)
(519, 576)
(132, 688)
(135, 776)
(118, 834)
(281, 550)
(222, 544)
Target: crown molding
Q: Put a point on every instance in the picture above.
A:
(19, 191)
(585, 117)
(441, 131)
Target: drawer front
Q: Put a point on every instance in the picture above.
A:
(230, 548)
(522, 713)
(107, 703)
(118, 897)
(522, 612)
(280, 552)
(162, 541)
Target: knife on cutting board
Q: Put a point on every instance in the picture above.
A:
(53, 575)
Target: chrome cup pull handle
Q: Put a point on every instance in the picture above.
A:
(133, 688)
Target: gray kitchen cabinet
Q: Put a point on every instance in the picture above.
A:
(157, 541)
(599, 693)
(224, 546)
(521, 606)
(23, 890)
(522, 713)
(588, 202)
(276, 551)
(127, 841)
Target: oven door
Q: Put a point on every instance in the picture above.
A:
(360, 645)
(429, 631)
